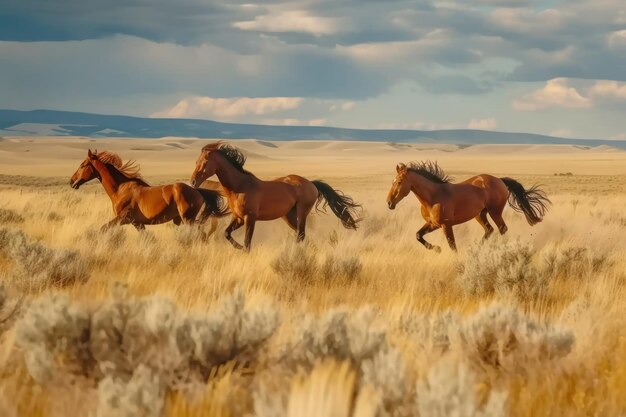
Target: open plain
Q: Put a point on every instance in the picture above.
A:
(365, 323)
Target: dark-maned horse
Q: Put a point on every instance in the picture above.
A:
(251, 199)
(137, 203)
(445, 204)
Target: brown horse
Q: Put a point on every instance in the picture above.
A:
(445, 204)
(251, 199)
(137, 203)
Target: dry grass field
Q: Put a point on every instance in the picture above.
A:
(365, 323)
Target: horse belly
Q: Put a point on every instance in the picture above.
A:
(276, 199)
(153, 206)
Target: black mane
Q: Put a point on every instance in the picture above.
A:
(429, 170)
(234, 156)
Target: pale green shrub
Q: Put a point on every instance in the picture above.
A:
(36, 266)
(450, 390)
(140, 396)
(502, 337)
(502, 267)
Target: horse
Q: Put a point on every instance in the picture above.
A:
(251, 199)
(445, 204)
(137, 203)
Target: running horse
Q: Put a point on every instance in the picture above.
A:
(137, 203)
(445, 204)
(250, 199)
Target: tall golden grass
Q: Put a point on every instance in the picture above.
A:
(364, 323)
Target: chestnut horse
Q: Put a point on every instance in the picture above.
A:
(251, 199)
(137, 203)
(445, 204)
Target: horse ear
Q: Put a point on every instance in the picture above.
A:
(400, 168)
(92, 155)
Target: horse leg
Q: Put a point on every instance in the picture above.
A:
(302, 213)
(484, 222)
(427, 228)
(250, 223)
(182, 206)
(235, 224)
(447, 230)
(496, 215)
(291, 219)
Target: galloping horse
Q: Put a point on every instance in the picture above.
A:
(251, 199)
(137, 203)
(445, 204)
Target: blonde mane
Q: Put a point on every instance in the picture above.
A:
(129, 169)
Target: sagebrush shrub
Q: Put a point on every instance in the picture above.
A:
(502, 267)
(61, 341)
(450, 389)
(140, 396)
(502, 337)
(36, 266)
(54, 335)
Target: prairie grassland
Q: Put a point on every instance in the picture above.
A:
(364, 323)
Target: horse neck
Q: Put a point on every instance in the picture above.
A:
(107, 178)
(423, 188)
(230, 177)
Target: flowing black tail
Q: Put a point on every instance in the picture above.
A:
(342, 205)
(532, 202)
(214, 204)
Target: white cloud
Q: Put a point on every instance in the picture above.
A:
(608, 89)
(291, 21)
(296, 122)
(617, 39)
(483, 124)
(229, 108)
(556, 93)
(345, 106)
(562, 133)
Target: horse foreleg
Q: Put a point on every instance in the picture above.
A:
(250, 223)
(447, 230)
(427, 228)
(235, 224)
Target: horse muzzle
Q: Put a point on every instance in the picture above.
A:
(391, 205)
(75, 184)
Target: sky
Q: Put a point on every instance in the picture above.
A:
(544, 66)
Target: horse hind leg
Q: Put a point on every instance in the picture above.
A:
(291, 219)
(496, 215)
(425, 229)
(484, 222)
(302, 212)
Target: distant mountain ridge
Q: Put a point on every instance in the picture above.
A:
(63, 123)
